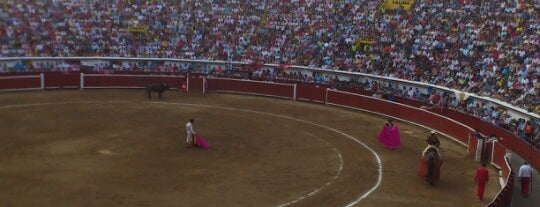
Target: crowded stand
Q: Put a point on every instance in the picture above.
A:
(490, 48)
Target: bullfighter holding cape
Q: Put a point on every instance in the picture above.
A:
(389, 135)
(194, 139)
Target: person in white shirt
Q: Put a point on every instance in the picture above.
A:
(525, 177)
(190, 133)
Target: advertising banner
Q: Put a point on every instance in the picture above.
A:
(394, 4)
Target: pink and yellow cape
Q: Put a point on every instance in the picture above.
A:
(389, 136)
(200, 142)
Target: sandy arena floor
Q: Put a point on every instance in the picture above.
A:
(117, 148)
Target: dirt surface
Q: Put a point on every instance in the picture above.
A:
(117, 148)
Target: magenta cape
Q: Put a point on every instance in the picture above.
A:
(200, 142)
(389, 136)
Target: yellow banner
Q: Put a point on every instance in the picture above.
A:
(394, 4)
(365, 40)
(137, 29)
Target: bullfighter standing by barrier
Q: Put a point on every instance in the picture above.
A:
(184, 87)
(389, 135)
(481, 178)
(525, 177)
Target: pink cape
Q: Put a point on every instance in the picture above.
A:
(389, 136)
(200, 142)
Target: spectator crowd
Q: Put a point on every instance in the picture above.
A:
(490, 48)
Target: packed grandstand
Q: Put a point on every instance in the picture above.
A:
(490, 48)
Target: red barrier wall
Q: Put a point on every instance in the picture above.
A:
(506, 138)
(62, 80)
(356, 91)
(488, 150)
(405, 112)
(195, 83)
(310, 93)
(100, 80)
(19, 82)
(499, 151)
(473, 144)
(251, 87)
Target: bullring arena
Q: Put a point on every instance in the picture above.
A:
(291, 96)
(117, 148)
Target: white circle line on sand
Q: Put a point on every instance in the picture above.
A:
(373, 152)
(336, 176)
(352, 203)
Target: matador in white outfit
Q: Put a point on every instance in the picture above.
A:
(190, 133)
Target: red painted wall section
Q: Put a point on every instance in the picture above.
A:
(131, 81)
(412, 114)
(472, 145)
(310, 93)
(506, 138)
(252, 87)
(488, 150)
(356, 91)
(409, 102)
(62, 80)
(499, 151)
(20, 83)
(195, 83)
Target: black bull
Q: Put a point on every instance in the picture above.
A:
(156, 87)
